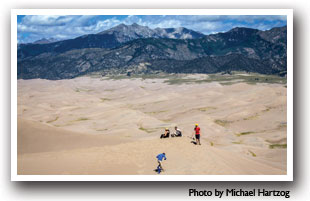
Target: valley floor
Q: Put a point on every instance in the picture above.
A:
(112, 126)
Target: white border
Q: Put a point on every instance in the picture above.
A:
(287, 12)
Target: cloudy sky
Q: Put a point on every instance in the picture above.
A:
(34, 27)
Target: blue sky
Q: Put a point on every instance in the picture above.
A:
(35, 27)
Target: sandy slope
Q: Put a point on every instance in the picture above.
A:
(94, 126)
(54, 151)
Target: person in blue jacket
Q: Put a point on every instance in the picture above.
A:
(160, 158)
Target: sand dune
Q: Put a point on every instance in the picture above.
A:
(102, 126)
(54, 151)
(34, 137)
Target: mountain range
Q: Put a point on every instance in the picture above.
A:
(140, 49)
(45, 41)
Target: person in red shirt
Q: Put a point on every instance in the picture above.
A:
(197, 134)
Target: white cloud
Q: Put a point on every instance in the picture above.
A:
(165, 24)
(106, 24)
(65, 27)
(60, 27)
(46, 20)
(252, 18)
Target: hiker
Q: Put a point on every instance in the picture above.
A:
(197, 134)
(159, 160)
(178, 132)
(166, 134)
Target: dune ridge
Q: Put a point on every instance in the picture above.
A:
(104, 126)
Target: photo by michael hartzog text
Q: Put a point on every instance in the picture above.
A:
(238, 192)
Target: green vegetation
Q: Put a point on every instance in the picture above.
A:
(166, 120)
(268, 108)
(172, 81)
(271, 79)
(245, 133)
(153, 76)
(82, 90)
(229, 79)
(94, 75)
(67, 124)
(222, 122)
(146, 130)
(255, 116)
(282, 125)
(230, 83)
(224, 79)
(253, 154)
(156, 112)
(105, 99)
(105, 129)
(140, 76)
(211, 143)
(117, 77)
(281, 146)
(204, 109)
(239, 142)
(109, 90)
(82, 119)
(53, 120)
